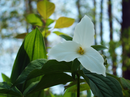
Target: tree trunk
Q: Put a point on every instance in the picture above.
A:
(101, 28)
(94, 19)
(125, 38)
(78, 8)
(112, 46)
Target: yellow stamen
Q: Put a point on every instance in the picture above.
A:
(81, 51)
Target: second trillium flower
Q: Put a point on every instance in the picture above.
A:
(80, 48)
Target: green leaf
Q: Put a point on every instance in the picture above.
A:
(45, 8)
(37, 94)
(99, 47)
(20, 63)
(103, 86)
(49, 21)
(126, 87)
(21, 36)
(73, 88)
(51, 66)
(89, 93)
(5, 88)
(125, 83)
(36, 64)
(48, 80)
(34, 19)
(63, 22)
(46, 33)
(63, 35)
(74, 83)
(69, 94)
(32, 48)
(5, 78)
(126, 93)
(75, 67)
(34, 45)
(3, 95)
(42, 68)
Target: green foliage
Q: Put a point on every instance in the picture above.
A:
(34, 45)
(46, 33)
(31, 49)
(49, 21)
(98, 47)
(126, 87)
(36, 64)
(73, 89)
(63, 35)
(103, 86)
(75, 67)
(34, 19)
(41, 67)
(125, 83)
(5, 88)
(69, 94)
(5, 78)
(48, 80)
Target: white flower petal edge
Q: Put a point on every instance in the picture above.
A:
(93, 61)
(66, 51)
(84, 32)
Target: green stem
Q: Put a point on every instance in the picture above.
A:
(78, 85)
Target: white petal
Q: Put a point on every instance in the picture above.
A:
(93, 61)
(84, 32)
(66, 51)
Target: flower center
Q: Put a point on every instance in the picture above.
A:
(81, 51)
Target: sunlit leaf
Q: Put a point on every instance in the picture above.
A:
(69, 94)
(48, 80)
(63, 35)
(34, 45)
(74, 83)
(34, 19)
(45, 8)
(32, 48)
(5, 78)
(5, 88)
(99, 47)
(83, 87)
(46, 33)
(63, 22)
(49, 21)
(103, 86)
(21, 36)
(89, 94)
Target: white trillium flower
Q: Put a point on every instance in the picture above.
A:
(80, 48)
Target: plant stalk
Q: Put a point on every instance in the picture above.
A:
(78, 85)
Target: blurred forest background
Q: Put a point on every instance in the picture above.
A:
(111, 19)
